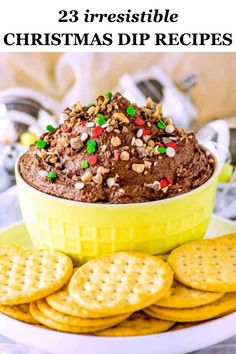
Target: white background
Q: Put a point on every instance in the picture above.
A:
(42, 16)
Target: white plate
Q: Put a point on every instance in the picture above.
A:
(173, 342)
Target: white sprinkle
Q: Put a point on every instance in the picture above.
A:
(89, 124)
(133, 141)
(174, 138)
(42, 173)
(139, 133)
(109, 129)
(63, 116)
(170, 152)
(111, 182)
(156, 185)
(105, 125)
(169, 129)
(138, 142)
(79, 185)
(84, 136)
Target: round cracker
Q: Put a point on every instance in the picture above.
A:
(51, 323)
(137, 325)
(184, 325)
(184, 297)
(19, 312)
(9, 250)
(218, 308)
(62, 301)
(231, 236)
(78, 321)
(120, 283)
(164, 257)
(28, 275)
(208, 265)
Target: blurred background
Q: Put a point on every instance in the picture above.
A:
(198, 91)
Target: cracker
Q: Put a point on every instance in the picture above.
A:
(19, 312)
(137, 325)
(120, 283)
(184, 325)
(51, 323)
(164, 257)
(8, 250)
(218, 308)
(208, 265)
(62, 301)
(185, 297)
(231, 236)
(32, 274)
(78, 321)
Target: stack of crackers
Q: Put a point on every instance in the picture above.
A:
(122, 294)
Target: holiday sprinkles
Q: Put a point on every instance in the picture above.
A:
(113, 151)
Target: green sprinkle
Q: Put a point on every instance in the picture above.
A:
(41, 144)
(90, 104)
(50, 128)
(52, 175)
(162, 150)
(85, 164)
(161, 124)
(131, 111)
(91, 142)
(101, 119)
(108, 95)
(91, 146)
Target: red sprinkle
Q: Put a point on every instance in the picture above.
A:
(146, 132)
(83, 122)
(70, 174)
(160, 144)
(139, 122)
(97, 131)
(172, 144)
(53, 143)
(74, 135)
(67, 129)
(163, 183)
(92, 160)
(116, 155)
(169, 180)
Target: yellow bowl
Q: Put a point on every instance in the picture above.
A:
(88, 230)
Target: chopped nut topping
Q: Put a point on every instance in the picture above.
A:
(111, 182)
(138, 167)
(115, 141)
(91, 110)
(98, 178)
(124, 156)
(76, 143)
(125, 130)
(63, 142)
(148, 164)
(103, 148)
(102, 170)
(149, 102)
(87, 176)
(138, 142)
(151, 143)
(97, 108)
(53, 160)
(121, 118)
